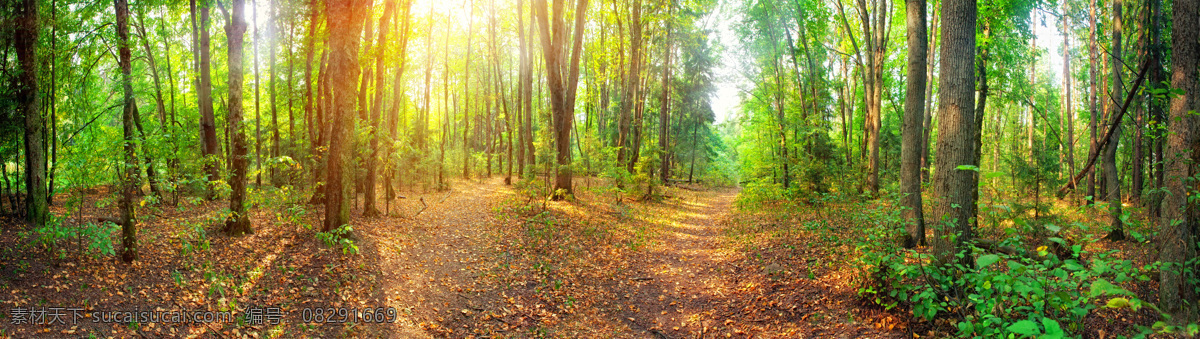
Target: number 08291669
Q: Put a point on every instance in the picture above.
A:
(349, 315)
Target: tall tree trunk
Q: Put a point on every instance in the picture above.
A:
(210, 148)
(1112, 180)
(1068, 105)
(273, 31)
(629, 92)
(467, 97)
(1093, 68)
(874, 20)
(1157, 106)
(345, 20)
(928, 122)
(235, 30)
(1177, 227)
(30, 102)
(523, 67)
(129, 251)
(912, 131)
(954, 200)
(369, 209)
(398, 106)
(664, 108)
(562, 95)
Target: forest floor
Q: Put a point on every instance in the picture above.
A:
(480, 259)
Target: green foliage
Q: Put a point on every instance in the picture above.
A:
(94, 240)
(341, 237)
(1033, 294)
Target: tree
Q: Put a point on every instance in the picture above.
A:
(1177, 228)
(369, 208)
(235, 30)
(1112, 192)
(954, 175)
(30, 103)
(345, 20)
(912, 129)
(664, 106)
(629, 90)
(562, 95)
(129, 183)
(208, 122)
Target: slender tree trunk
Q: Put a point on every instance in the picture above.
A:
(30, 105)
(912, 131)
(664, 108)
(369, 208)
(954, 200)
(928, 122)
(208, 123)
(630, 89)
(1112, 180)
(1093, 57)
(1157, 107)
(1177, 229)
(235, 30)
(467, 98)
(129, 251)
(273, 31)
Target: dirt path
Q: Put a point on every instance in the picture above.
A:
(430, 261)
(468, 267)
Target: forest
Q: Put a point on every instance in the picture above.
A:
(600, 169)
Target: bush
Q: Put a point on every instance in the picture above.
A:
(995, 294)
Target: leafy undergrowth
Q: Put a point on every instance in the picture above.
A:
(187, 264)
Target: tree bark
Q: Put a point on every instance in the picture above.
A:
(912, 129)
(369, 209)
(664, 108)
(239, 221)
(954, 200)
(129, 251)
(208, 123)
(629, 92)
(345, 21)
(30, 104)
(1112, 181)
(1093, 58)
(562, 95)
(1177, 228)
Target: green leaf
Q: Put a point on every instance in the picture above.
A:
(1100, 286)
(968, 168)
(1053, 228)
(986, 260)
(1117, 302)
(1053, 331)
(1025, 327)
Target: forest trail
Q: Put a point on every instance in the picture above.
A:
(469, 265)
(430, 258)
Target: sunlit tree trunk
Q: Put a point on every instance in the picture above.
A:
(912, 129)
(208, 123)
(345, 20)
(239, 221)
(369, 208)
(954, 200)
(629, 92)
(562, 95)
